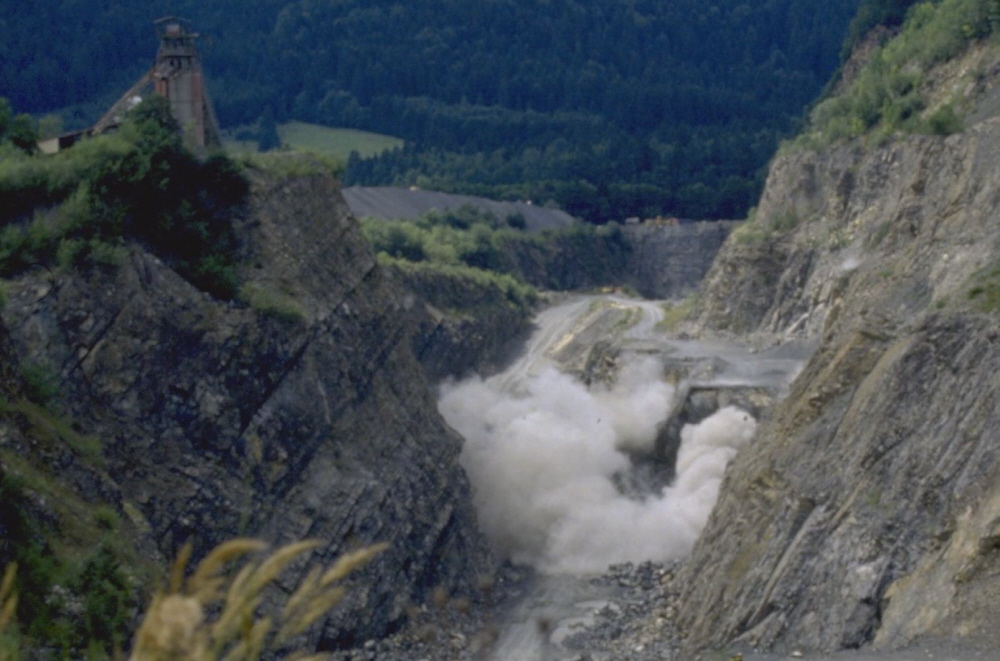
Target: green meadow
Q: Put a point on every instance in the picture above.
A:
(335, 142)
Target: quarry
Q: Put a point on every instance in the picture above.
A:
(761, 439)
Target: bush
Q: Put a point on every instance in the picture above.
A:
(463, 236)
(139, 183)
(466, 287)
(286, 164)
(17, 130)
(272, 303)
(944, 121)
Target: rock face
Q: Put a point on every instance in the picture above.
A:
(867, 508)
(656, 260)
(667, 261)
(306, 418)
(467, 326)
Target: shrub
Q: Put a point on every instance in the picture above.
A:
(469, 286)
(41, 383)
(139, 183)
(271, 302)
(287, 164)
(17, 130)
(944, 121)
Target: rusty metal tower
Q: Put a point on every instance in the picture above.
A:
(177, 76)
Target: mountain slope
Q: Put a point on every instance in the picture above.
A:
(613, 109)
(309, 419)
(864, 512)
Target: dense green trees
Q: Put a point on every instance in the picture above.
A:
(611, 108)
(16, 130)
(871, 13)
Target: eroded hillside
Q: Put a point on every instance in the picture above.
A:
(301, 415)
(866, 510)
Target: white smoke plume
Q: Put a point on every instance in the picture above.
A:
(541, 463)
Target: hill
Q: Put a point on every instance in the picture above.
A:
(865, 511)
(611, 109)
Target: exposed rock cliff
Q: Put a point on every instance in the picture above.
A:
(866, 509)
(307, 417)
(668, 261)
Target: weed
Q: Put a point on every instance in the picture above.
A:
(751, 232)
(838, 239)
(68, 602)
(52, 431)
(106, 518)
(41, 382)
(289, 164)
(944, 121)
(785, 220)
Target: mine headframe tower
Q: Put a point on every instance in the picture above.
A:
(177, 76)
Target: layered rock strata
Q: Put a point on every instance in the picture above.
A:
(866, 510)
(302, 416)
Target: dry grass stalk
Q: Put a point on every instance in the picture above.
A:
(8, 598)
(8, 610)
(178, 625)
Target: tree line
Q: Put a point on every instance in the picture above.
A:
(608, 108)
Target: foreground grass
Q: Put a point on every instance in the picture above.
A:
(212, 613)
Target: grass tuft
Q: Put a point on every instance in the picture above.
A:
(213, 614)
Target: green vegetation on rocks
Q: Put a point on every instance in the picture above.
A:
(75, 208)
(985, 291)
(888, 94)
(465, 247)
(464, 236)
(286, 164)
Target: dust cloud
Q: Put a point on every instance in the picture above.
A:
(541, 458)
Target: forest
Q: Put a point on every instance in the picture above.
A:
(608, 109)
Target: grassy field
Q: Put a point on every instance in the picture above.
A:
(338, 143)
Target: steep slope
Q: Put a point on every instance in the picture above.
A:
(866, 509)
(307, 417)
